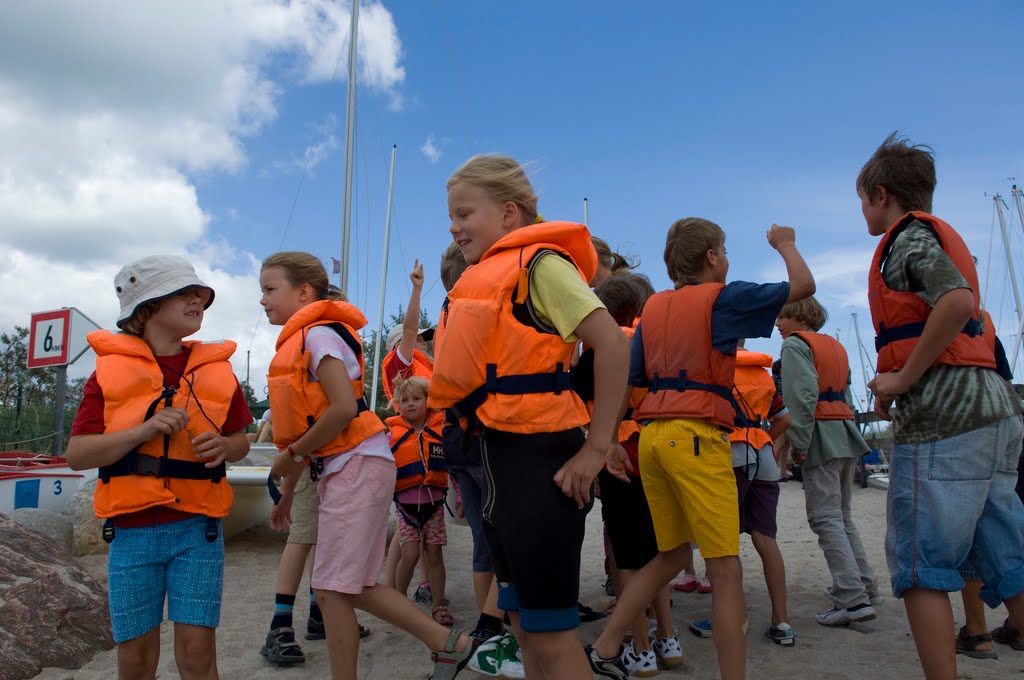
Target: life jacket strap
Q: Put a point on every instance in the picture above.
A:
(742, 422)
(907, 331)
(530, 383)
(831, 395)
(136, 463)
(275, 493)
(682, 383)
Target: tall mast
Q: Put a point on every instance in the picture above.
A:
(863, 368)
(350, 126)
(383, 285)
(1013, 273)
(586, 213)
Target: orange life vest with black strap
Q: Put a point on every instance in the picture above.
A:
(833, 367)
(506, 366)
(421, 366)
(754, 390)
(688, 377)
(419, 456)
(163, 471)
(295, 400)
(899, 318)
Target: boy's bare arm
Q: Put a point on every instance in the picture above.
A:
(214, 449)
(89, 451)
(946, 320)
(611, 367)
(411, 322)
(801, 281)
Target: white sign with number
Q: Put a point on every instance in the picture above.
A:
(57, 338)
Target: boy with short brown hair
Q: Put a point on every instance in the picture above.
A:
(956, 424)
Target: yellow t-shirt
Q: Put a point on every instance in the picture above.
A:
(560, 297)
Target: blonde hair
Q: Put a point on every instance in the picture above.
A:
(303, 268)
(453, 263)
(502, 179)
(413, 383)
(808, 311)
(615, 262)
(135, 324)
(686, 247)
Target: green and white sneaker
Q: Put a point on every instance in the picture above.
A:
(499, 657)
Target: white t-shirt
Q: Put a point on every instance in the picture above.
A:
(322, 341)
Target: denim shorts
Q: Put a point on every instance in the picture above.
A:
(952, 503)
(172, 560)
(471, 484)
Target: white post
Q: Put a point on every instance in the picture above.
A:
(350, 126)
(586, 214)
(383, 285)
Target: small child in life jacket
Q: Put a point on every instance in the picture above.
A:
(826, 441)
(685, 458)
(323, 427)
(420, 489)
(513, 321)
(160, 417)
(956, 423)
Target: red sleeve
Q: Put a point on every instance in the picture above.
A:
(239, 416)
(89, 419)
(395, 369)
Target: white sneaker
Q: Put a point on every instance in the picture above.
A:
(499, 657)
(669, 651)
(844, 617)
(642, 664)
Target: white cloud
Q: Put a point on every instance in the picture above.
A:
(108, 113)
(433, 148)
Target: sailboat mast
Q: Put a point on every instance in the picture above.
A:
(350, 125)
(383, 284)
(863, 368)
(1013, 273)
(586, 213)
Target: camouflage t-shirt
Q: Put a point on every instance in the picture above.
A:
(947, 400)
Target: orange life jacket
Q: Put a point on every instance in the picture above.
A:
(688, 377)
(297, 402)
(505, 365)
(754, 390)
(989, 333)
(833, 367)
(421, 366)
(419, 456)
(163, 471)
(899, 318)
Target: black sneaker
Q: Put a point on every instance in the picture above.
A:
(605, 668)
(315, 630)
(587, 614)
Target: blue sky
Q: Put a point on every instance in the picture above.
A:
(745, 114)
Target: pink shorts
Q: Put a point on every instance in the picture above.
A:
(353, 525)
(433, 531)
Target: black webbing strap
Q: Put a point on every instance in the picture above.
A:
(831, 395)
(136, 463)
(530, 383)
(913, 330)
(681, 384)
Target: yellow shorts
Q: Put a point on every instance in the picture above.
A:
(686, 468)
(305, 511)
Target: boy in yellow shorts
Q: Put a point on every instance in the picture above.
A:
(684, 352)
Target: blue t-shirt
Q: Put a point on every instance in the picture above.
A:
(742, 310)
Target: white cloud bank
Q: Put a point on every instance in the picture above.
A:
(107, 111)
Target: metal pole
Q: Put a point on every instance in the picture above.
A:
(586, 213)
(383, 285)
(1020, 206)
(1013, 273)
(349, 140)
(248, 356)
(58, 414)
(868, 397)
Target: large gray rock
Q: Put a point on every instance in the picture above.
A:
(52, 612)
(87, 529)
(54, 526)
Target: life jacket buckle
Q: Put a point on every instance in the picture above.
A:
(212, 529)
(147, 465)
(108, 530)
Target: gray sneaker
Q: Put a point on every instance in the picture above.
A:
(844, 617)
(605, 668)
(873, 598)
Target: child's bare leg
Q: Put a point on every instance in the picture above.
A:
(663, 613)
(137, 658)
(687, 559)
(436, 575)
(195, 651)
(391, 563)
(342, 632)
(774, 574)
(410, 555)
(729, 614)
(399, 611)
(289, 570)
(974, 613)
(531, 662)
(481, 588)
(931, 622)
(642, 589)
(551, 656)
(639, 623)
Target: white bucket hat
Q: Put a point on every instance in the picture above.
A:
(395, 336)
(154, 278)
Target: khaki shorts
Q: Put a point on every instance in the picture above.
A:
(305, 511)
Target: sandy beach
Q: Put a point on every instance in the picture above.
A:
(881, 648)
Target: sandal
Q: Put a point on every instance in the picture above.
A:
(443, 615)
(1007, 635)
(449, 662)
(281, 647)
(968, 645)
